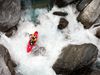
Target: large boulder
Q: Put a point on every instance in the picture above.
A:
(6, 64)
(89, 15)
(75, 57)
(63, 23)
(9, 14)
(82, 4)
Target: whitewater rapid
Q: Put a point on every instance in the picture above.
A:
(50, 37)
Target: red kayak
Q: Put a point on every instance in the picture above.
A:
(32, 41)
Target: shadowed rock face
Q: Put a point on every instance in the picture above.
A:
(6, 64)
(9, 14)
(88, 16)
(75, 57)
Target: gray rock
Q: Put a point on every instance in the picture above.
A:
(63, 23)
(59, 13)
(88, 16)
(6, 64)
(82, 4)
(9, 14)
(75, 57)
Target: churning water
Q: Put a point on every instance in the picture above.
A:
(51, 38)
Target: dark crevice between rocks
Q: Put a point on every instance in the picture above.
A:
(10, 32)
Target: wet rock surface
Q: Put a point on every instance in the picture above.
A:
(6, 64)
(75, 57)
(63, 23)
(89, 15)
(9, 14)
(82, 4)
(59, 13)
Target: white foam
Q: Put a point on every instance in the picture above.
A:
(49, 37)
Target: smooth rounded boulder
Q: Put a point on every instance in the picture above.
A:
(9, 14)
(75, 57)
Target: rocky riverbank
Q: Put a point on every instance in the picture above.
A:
(74, 59)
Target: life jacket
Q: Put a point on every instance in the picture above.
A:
(34, 37)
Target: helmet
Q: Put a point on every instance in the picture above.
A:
(36, 33)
